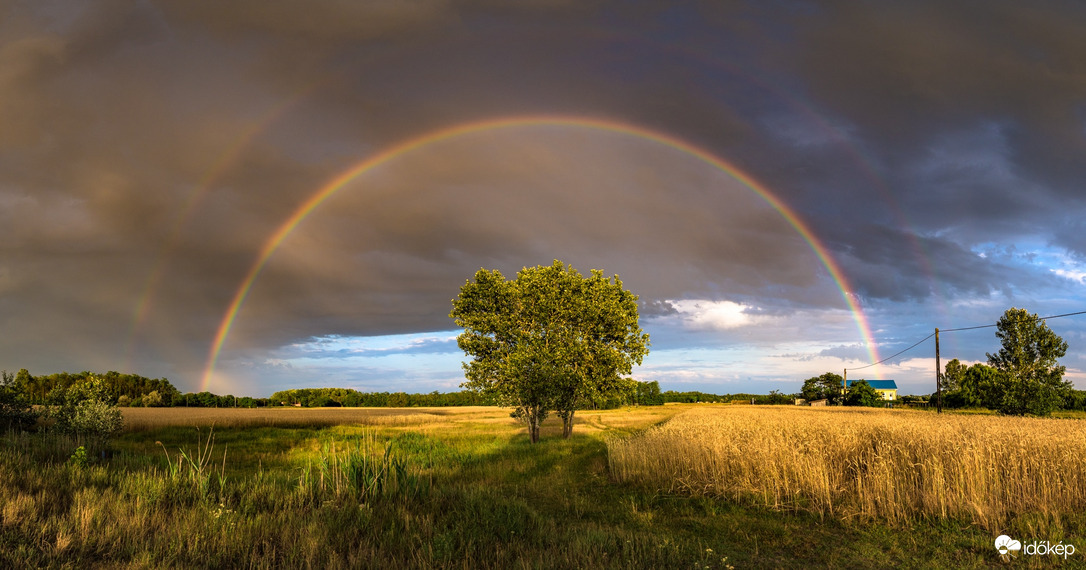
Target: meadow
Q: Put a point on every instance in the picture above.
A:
(676, 486)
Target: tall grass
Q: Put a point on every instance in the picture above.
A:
(886, 464)
(182, 508)
(358, 470)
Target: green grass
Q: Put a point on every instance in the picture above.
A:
(471, 494)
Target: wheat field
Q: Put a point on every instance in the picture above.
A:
(139, 419)
(865, 463)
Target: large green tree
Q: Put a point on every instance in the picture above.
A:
(980, 386)
(551, 339)
(953, 373)
(1032, 377)
(828, 386)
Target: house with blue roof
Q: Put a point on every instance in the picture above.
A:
(886, 388)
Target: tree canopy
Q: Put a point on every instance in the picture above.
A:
(828, 386)
(549, 340)
(953, 375)
(860, 393)
(1033, 379)
(1022, 377)
(15, 411)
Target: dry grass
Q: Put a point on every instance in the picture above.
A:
(140, 419)
(863, 463)
(137, 419)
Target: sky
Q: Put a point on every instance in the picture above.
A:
(247, 196)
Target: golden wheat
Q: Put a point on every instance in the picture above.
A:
(137, 419)
(865, 463)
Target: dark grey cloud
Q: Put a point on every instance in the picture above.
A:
(148, 151)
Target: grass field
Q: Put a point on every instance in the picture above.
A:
(463, 488)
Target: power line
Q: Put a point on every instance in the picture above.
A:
(997, 324)
(956, 330)
(894, 356)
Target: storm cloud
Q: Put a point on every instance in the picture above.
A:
(149, 152)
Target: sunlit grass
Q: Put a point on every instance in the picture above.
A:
(867, 464)
(467, 491)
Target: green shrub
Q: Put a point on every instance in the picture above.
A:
(85, 410)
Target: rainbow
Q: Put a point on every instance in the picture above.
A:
(407, 146)
(203, 187)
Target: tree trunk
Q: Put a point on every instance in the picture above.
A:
(567, 425)
(533, 427)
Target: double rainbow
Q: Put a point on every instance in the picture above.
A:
(405, 147)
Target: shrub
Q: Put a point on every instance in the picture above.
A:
(84, 409)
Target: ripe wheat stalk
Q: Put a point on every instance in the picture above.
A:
(862, 463)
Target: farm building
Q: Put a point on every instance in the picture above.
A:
(886, 388)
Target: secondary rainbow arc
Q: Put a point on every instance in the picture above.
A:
(392, 152)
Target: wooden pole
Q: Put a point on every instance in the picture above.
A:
(938, 376)
(844, 385)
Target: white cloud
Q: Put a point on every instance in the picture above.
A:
(700, 314)
(1072, 274)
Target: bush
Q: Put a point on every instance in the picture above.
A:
(85, 410)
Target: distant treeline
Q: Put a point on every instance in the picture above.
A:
(774, 397)
(640, 393)
(346, 397)
(133, 390)
(126, 388)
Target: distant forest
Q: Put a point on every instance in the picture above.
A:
(133, 390)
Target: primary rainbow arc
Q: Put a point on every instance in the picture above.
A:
(322, 194)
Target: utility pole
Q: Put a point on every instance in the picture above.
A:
(844, 385)
(938, 376)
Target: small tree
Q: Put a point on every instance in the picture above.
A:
(828, 386)
(15, 411)
(860, 393)
(1032, 377)
(981, 386)
(548, 340)
(953, 373)
(84, 410)
(648, 394)
(776, 398)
